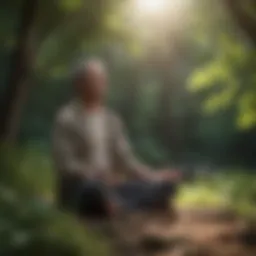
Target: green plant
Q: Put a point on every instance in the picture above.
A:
(31, 225)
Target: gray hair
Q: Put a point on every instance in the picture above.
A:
(82, 67)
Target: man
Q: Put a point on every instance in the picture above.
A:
(91, 151)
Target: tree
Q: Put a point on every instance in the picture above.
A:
(19, 74)
(244, 18)
(227, 72)
(44, 26)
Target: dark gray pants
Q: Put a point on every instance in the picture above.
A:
(93, 197)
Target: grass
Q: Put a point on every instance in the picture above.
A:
(234, 190)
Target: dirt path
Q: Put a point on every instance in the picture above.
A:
(195, 233)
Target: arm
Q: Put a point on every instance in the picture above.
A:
(64, 152)
(125, 156)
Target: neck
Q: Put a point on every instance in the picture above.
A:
(91, 105)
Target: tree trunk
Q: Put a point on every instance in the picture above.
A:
(17, 86)
(242, 18)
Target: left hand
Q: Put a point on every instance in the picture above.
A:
(111, 180)
(168, 175)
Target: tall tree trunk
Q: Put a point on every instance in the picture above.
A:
(20, 70)
(246, 22)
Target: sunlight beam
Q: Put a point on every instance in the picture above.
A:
(151, 6)
(150, 9)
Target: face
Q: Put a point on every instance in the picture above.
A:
(93, 83)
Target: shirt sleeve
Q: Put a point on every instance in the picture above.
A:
(65, 155)
(127, 160)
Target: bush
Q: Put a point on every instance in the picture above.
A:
(29, 223)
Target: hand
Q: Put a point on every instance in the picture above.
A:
(112, 181)
(168, 175)
(109, 180)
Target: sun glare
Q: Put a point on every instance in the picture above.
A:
(151, 6)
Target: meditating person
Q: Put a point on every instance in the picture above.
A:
(97, 172)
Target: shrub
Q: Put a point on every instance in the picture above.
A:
(29, 223)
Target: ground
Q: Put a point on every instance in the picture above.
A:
(197, 232)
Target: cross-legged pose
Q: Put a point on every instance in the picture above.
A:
(97, 171)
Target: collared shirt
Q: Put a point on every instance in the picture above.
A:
(95, 127)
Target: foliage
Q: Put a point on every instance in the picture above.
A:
(231, 189)
(30, 223)
(227, 73)
(148, 78)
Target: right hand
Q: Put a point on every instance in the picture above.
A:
(166, 175)
(108, 179)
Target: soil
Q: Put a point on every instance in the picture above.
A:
(196, 232)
